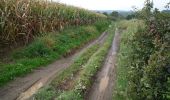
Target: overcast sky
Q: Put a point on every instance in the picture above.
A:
(112, 4)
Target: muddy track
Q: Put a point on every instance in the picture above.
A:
(102, 88)
(24, 87)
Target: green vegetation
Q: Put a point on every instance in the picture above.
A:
(148, 72)
(66, 74)
(146, 54)
(86, 66)
(75, 67)
(124, 57)
(41, 31)
(115, 15)
(22, 20)
(43, 50)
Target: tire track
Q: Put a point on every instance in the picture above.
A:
(24, 87)
(102, 88)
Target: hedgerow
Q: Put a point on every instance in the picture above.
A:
(150, 57)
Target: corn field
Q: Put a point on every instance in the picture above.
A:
(22, 20)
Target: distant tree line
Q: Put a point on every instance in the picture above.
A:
(115, 15)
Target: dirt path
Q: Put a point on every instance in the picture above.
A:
(24, 87)
(102, 88)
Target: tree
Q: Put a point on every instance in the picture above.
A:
(115, 14)
(131, 16)
(105, 13)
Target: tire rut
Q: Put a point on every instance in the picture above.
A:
(103, 86)
(24, 87)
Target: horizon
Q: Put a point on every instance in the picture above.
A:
(112, 4)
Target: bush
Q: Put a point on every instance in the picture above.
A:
(42, 47)
(148, 76)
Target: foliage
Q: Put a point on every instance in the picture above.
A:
(89, 70)
(115, 14)
(131, 16)
(124, 57)
(22, 20)
(149, 57)
(65, 75)
(105, 13)
(46, 93)
(70, 95)
(75, 67)
(89, 63)
(47, 49)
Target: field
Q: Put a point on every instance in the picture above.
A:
(54, 35)
(82, 71)
(22, 21)
(53, 51)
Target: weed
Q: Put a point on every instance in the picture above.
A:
(46, 49)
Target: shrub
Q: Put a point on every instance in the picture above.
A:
(148, 76)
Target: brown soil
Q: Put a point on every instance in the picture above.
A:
(24, 87)
(69, 83)
(103, 86)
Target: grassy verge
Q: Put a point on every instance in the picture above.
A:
(75, 67)
(84, 80)
(48, 48)
(120, 91)
(54, 89)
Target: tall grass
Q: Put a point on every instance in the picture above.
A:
(125, 57)
(43, 50)
(87, 65)
(22, 20)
